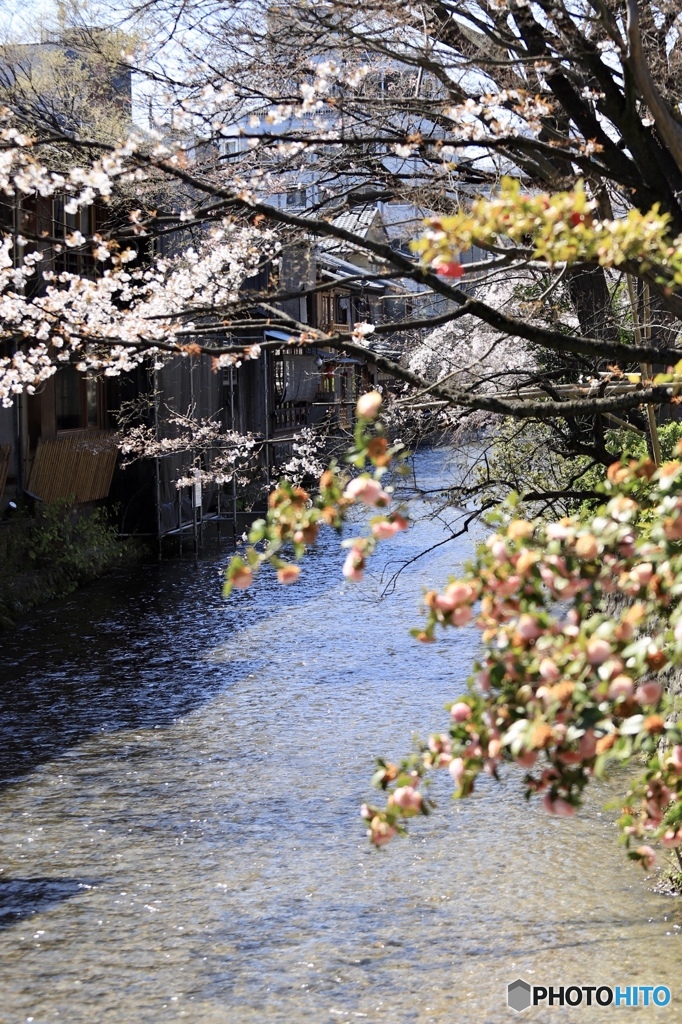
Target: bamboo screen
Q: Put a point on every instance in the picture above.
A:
(77, 466)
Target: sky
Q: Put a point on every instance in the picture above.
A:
(23, 20)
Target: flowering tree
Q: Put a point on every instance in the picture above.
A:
(580, 620)
(217, 455)
(360, 103)
(266, 128)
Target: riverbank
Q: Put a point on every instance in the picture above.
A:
(54, 551)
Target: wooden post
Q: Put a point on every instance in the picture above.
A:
(645, 368)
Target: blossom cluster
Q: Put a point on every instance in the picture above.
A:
(580, 620)
(110, 320)
(294, 517)
(217, 455)
(563, 228)
(112, 323)
(307, 450)
(495, 113)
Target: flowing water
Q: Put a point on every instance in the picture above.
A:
(180, 780)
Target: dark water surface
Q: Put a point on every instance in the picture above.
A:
(180, 780)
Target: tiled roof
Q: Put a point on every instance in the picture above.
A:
(358, 220)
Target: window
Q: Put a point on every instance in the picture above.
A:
(68, 399)
(342, 310)
(77, 399)
(300, 195)
(325, 308)
(297, 198)
(230, 146)
(72, 260)
(278, 368)
(296, 377)
(92, 402)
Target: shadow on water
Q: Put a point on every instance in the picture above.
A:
(127, 652)
(23, 897)
(131, 651)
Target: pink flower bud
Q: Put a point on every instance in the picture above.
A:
(544, 694)
(671, 839)
(654, 811)
(456, 769)
(549, 671)
(648, 856)
(242, 578)
(611, 668)
(499, 551)
(368, 405)
(483, 680)
(380, 832)
(621, 686)
(462, 615)
(528, 627)
(661, 793)
(367, 490)
(598, 651)
(354, 565)
(459, 593)
(384, 530)
(387, 528)
(675, 759)
(408, 799)
(642, 574)
(494, 747)
(460, 712)
(648, 693)
(288, 574)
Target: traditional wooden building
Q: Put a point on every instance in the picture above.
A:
(62, 442)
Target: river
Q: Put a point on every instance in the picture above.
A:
(180, 779)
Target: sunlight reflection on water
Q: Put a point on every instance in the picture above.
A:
(181, 836)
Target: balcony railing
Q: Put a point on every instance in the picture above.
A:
(290, 416)
(334, 327)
